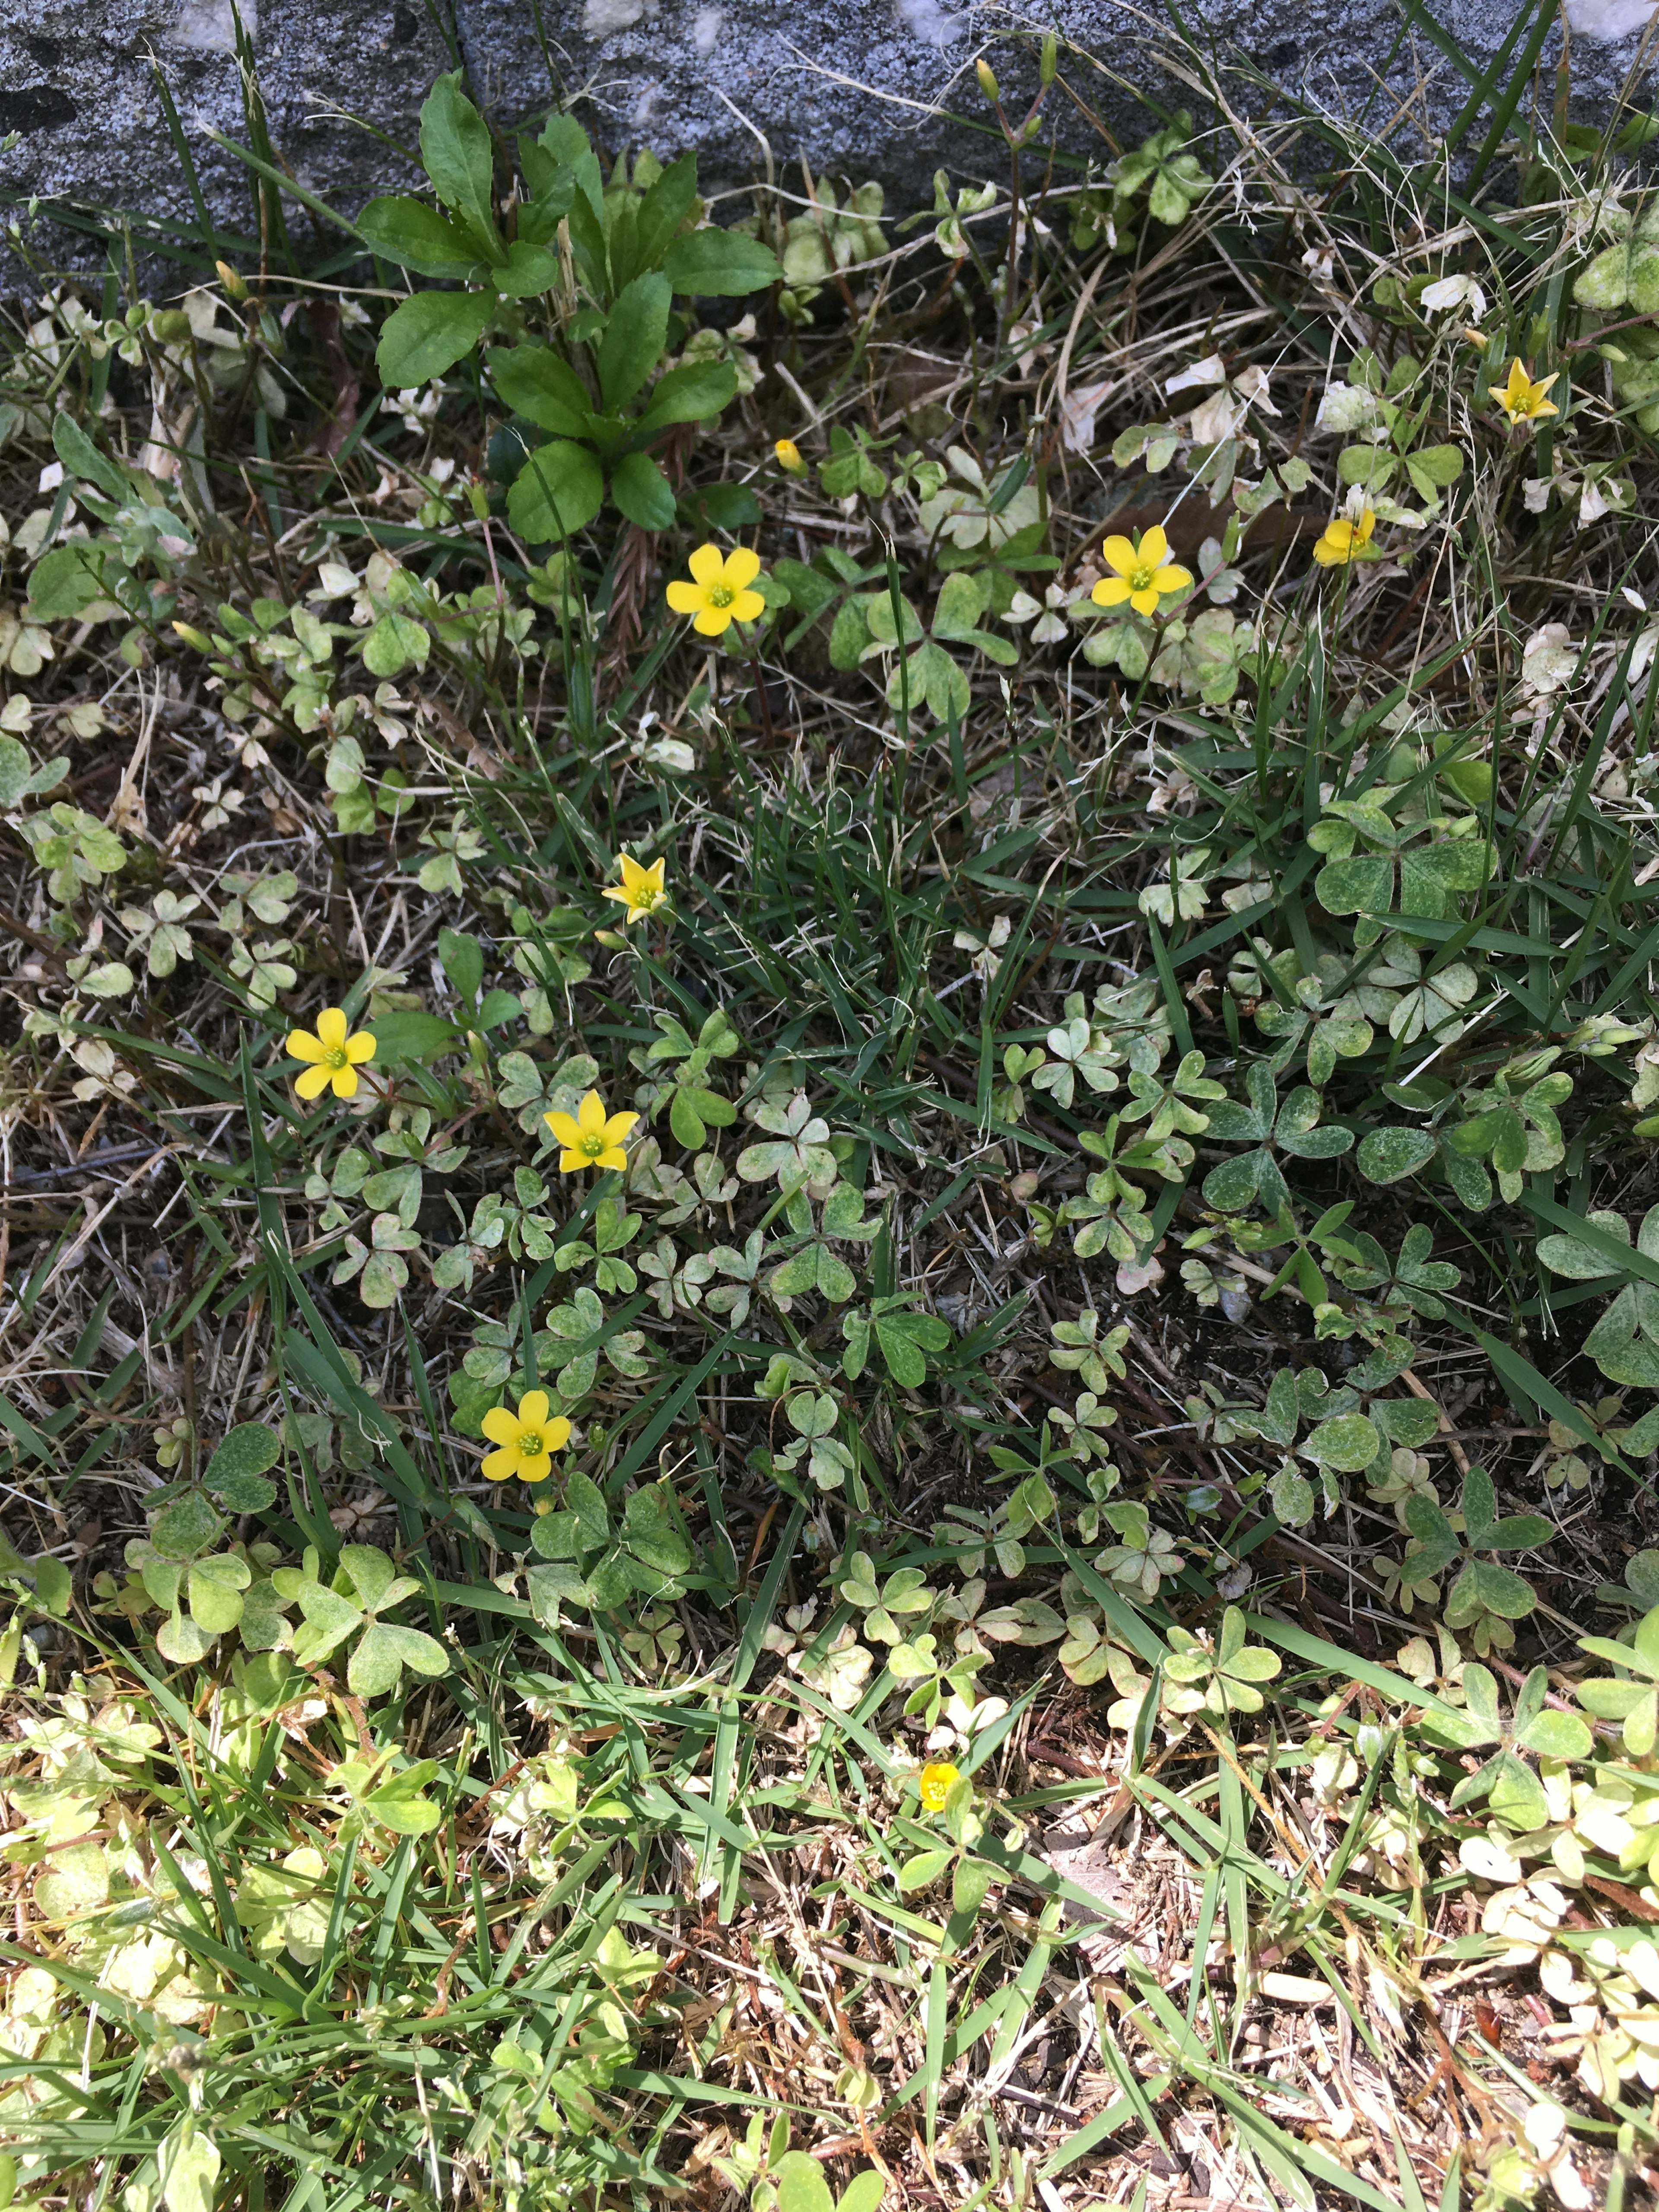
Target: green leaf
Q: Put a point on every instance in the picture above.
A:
(1485, 1587)
(530, 271)
(83, 459)
(462, 958)
(418, 237)
(558, 491)
(691, 393)
(863, 2193)
(186, 1526)
(66, 581)
(188, 2168)
(383, 1652)
(428, 334)
(455, 152)
(1390, 1155)
(215, 1588)
(535, 383)
(234, 1472)
(1347, 1442)
(406, 1037)
(800, 2184)
(635, 333)
(926, 1866)
(719, 264)
(970, 1886)
(640, 490)
(586, 1501)
(661, 212)
(394, 643)
(1363, 884)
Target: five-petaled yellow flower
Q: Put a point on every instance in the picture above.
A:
(1143, 574)
(591, 1137)
(935, 1782)
(642, 891)
(788, 455)
(1343, 539)
(335, 1057)
(526, 1441)
(719, 595)
(1521, 399)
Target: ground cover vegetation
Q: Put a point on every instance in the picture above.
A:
(830, 1264)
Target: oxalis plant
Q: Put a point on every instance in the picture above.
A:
(583, 296)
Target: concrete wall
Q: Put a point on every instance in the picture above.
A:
(850, 84)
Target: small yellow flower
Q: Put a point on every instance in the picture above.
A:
(1521, 399)
(935, 1781)
(1343, 539)
(642, 891)
(719, 595)
(1143, 574)
(335, 1057)
(788, 455)
(526, 1441)
(590, 1138)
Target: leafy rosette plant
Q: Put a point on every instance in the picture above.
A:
(613, 259)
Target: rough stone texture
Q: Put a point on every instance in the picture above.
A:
(855, 85)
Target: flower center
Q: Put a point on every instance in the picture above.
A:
(530, 1444)
(1140, 578)
(335, 1057)
(721, 595)
(647, 896)
(592, 1144)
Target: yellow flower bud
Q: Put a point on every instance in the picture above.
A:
(197, 640)
(988, 83)
(788, 456)
(234, 286)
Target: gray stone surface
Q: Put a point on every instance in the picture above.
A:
(854, 86)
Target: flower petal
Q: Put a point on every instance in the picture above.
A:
(499, 1465)
(685, 599)
(500, 1425)
(331, 1027)
(536, 1469)
(742, 567)
(712, 622)
(590, 1114)
(1171, 578)
(1109, 591)
(301, 1045)
(617, 1126)
(533, 1409)
(612, 1156)
(1154, 548)
(312, 1082)
(360, 1048)
(572, 1163)
(565, 1127)
(1118, 554)
(557, 1433)
(707, 564)
(1143, 603)
(750, 606)
(345, 1080)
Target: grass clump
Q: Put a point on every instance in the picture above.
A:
(828, 1276)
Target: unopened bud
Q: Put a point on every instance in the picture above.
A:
(988, 83)
(197, 640)
(234, 286)
(1050, 61)
(788, 457)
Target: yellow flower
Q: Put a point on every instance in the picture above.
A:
(335, 1057)
(527, 1440)
(935, 1781)
(1523, 400)
(1144, 573)
(590, 1138)
(789, 459)
(720, 593)
(1343, 539)
(640, 891)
